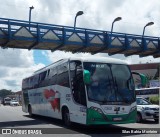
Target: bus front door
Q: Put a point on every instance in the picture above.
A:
(78, 92)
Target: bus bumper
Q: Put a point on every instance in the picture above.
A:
(96, 118)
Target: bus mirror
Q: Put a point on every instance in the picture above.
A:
(87, 77)
(144, 79)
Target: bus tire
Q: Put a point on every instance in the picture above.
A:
(156, 120)
(30, 111)
(66, 117)
(139, 118)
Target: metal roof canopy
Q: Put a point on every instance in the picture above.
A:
(24, 35)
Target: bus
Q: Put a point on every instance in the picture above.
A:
(84, 90)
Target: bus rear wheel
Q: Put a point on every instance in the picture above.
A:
(30, 111)
(156, 120)
(66, 117)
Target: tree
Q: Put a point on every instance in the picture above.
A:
(5, 92)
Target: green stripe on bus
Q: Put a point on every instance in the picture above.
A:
(94, 117)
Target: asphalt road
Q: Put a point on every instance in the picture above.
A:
(13, 117)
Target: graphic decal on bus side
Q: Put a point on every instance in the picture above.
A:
(53, 97)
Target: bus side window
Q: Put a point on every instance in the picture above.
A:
(53, 76)
(46, 80)
(27, 83)
(30, 82)
(63, 77)
(78, 88)
(36, 81)
(42, 79)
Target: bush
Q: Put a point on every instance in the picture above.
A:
(154, 100)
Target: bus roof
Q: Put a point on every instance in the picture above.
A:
(83, 59)
(99, 59)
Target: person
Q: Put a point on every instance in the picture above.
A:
(93, 90)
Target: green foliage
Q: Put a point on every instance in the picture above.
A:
(4, 93)
(154, 100)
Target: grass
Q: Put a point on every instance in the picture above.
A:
(154, 100)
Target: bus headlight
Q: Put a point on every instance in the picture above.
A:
(133, 108)
(97, 109)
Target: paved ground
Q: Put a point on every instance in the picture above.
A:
(13, 117)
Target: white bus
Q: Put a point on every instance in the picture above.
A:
(86, 90)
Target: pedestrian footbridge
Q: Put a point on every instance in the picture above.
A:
(33, 35)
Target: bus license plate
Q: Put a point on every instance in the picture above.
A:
(117, 119)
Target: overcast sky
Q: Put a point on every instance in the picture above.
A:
(18, 64)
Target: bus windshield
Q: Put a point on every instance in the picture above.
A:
(110, 83)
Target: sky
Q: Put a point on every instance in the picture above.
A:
(16, 64)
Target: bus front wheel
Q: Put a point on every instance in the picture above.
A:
(66, 117)
(139, 118)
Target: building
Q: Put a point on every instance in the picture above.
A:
(18, 96)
